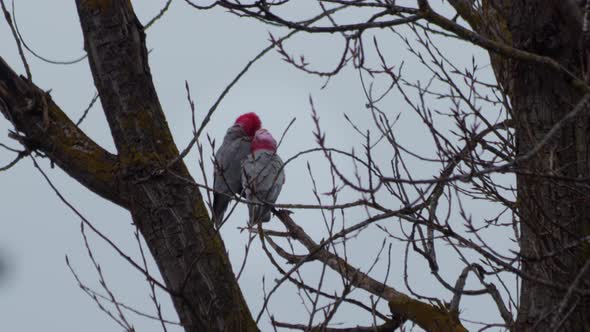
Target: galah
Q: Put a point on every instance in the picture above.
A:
(262, 176)
(228, 162)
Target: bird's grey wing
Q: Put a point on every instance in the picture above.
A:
(227, 173)
(272, 178)
(247, 175)
(249, 187)
(266, 181)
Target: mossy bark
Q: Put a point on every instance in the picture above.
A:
(427, 316)
(168, 210)
(44, 126)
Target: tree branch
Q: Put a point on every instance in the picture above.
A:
(427, 316)
(386, 327)
(46, 128)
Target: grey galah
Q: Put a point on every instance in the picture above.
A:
(228, 162)
(262, 176)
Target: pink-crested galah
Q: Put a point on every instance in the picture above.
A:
(228, 162)
(262, 176)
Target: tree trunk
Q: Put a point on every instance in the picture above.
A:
(553, 206)
(169, 211)
(164, 203)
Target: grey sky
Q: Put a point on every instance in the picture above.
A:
(207, 49)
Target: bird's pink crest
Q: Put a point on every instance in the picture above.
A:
(250, 122)
(263, 140)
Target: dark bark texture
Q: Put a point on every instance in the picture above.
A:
(167, 208)
(553, 206)
(41, 125)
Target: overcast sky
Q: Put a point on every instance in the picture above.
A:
(207, 49)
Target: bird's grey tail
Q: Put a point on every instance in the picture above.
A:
(259, 214)
(220, 203)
